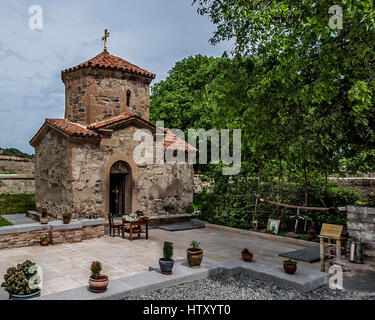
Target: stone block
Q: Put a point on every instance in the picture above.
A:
(59, 225)
(93, 222)
(304, 279)
(8, 230)
(30, 227)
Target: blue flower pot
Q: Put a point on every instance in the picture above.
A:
(166, 266)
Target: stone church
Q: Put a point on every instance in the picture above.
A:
(84, 162)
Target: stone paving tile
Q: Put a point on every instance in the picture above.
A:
(67, 266)
(19, 218)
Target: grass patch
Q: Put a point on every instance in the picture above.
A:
(18, 203)
(4, 222)
(8, 172)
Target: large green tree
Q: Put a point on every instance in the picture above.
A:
(177, 100)
(314, 84)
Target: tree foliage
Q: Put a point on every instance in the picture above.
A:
(314, 84)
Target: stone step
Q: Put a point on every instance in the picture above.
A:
(34, 215)
(304, 279)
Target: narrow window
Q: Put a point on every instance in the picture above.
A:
(128, 94)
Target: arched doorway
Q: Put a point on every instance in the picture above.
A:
(120, 190)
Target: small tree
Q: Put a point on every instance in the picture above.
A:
(168, 250)
(96, 268)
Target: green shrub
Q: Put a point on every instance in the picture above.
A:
(195, 244)
(44, 237)
(232, 204)
(96, 268)
(17, 279)
(168, 250)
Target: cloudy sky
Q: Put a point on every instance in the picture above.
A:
(153, 34)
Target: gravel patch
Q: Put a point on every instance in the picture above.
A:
(243, 287)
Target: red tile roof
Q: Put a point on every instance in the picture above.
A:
(106, 60)
(12, 158)
(102, 124)
(169, 138)
(72, 129)
(178, 144)
(77, 130)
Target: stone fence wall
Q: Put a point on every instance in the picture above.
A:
(26, 235)
(361, 226)
(17, 165)
(365, 186)
(17, 184)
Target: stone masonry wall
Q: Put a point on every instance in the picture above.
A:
(364, 186)
(28, 239)
(53, 190)
(26, 167)
(93, 95)
(17, 184)
(361, 226)
(160, 189)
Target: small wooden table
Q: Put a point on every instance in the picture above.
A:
(332, 234)
(132, 224)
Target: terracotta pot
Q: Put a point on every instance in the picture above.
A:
(100, 284)
(44, 243)
(44, 220)
(310, 237)
(66, 221)
(290, 268)
(194, 257)
(166, 266)
(247, 257)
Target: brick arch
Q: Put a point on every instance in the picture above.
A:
(134, 173)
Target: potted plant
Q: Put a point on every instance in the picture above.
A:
(247, 255)
(22, 282)
(44, 217)
(290, 266)
(311, 235)
(66, 218)
(166, 263)
(44, 239)
(194, 255)
(98, 282)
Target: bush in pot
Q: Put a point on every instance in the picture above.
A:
(44, 239)
(66, 218)
(247, 255)
(311, 235)
(22, 282)
(194, 255)
(166, 263)
(98, 282)
(290, 266)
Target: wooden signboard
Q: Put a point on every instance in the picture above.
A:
(331, 231)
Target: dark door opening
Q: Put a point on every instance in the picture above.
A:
(120, 189)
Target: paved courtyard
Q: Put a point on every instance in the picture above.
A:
(67, 266)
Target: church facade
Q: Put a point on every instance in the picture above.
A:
(84, 163)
